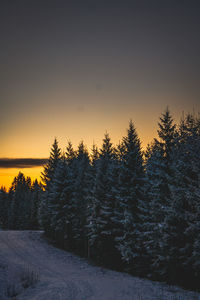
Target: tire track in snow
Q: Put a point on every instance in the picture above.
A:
(64, 276)
(28, 254)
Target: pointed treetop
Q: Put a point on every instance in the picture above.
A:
(20, 181)
(107, 149)
(94, 153)
(167, 128)
(3, 189)
(55, 153)
(70, 153)
(82, 151)
(55, 156)
(132, 141)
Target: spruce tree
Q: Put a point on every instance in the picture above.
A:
(4, 208)
(20, 197)
(155, 193)
(47, 177)
(181, 225)
(90, 199)
(36, 194)
(70, 153)
(100, 228)
(49, 168)
(130, 201)
(56, 203)
(160, 175)
(81, 188)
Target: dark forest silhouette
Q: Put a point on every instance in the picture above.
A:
(121, 207)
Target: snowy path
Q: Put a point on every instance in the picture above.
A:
(64, 276)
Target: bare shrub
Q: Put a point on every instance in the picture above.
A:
(12, 290)
(28, 277)
(20, 279)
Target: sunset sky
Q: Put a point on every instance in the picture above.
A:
(74, 69)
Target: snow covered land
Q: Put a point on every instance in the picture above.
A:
(32, 269)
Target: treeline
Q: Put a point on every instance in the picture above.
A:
(20, 205)
(125, 209)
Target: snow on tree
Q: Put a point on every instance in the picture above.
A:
(47, 176)
(159, 174)
(130, 199)
(81, 187)
(56, 202)
(100, 228)
(49, 168)
(181, 224)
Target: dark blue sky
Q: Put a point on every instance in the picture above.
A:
(77, 68)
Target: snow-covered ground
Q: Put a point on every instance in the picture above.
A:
(64, 276)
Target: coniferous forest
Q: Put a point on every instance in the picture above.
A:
(121, 207)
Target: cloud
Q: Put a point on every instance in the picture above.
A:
(22, 162)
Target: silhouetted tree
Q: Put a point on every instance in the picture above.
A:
(36, 195)
(130, 201)
(20, 206)
(4, 208)
(181, 223)
(47, 177)
(100, 228)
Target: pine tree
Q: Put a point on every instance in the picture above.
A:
(155, 190)
(36, 194)
(56, 203)
(100, 228)
(167, 135)
(68, 207)
(130, 201)
(49, 168)
(70, 153)
(94, 155)
(159, 175)
(20, 197)
(181, 225)
(81, 188)
(194, 195)
(4, 208)
(47, 177)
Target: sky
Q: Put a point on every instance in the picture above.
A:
(76, 69)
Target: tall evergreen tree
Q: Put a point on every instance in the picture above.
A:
(100, 228)
(49, 168)
(4, 208)
(56, 202)
(156, 180)
(47, 177)
(70, 153)
(166, 133)
(80, 196)
(20, 195)
(94, 155)
(159, 175)
(180, 227)
(36, 194)
(131, 198)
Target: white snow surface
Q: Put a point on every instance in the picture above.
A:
(65, 276)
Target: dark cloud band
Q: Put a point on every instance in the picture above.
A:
(22, 162)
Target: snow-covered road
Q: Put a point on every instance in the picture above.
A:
(64, 276)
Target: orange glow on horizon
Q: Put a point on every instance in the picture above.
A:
(7, 175)
(28, 139)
